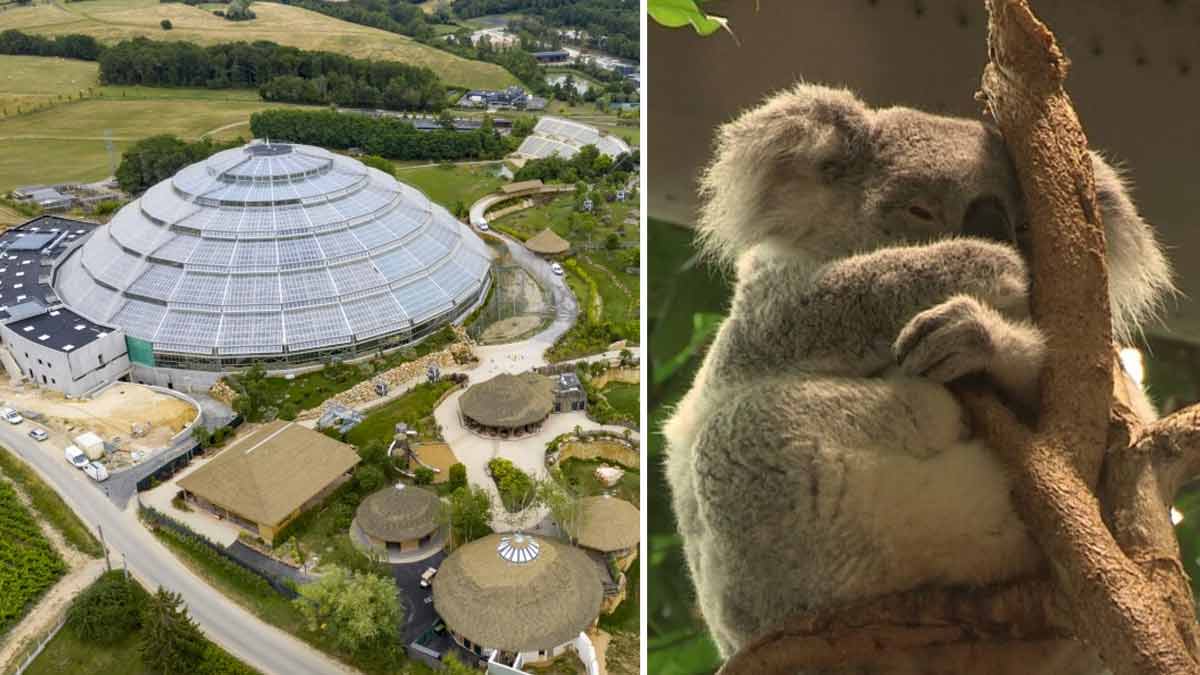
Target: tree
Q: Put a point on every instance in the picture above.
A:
(369, 478)
(458, 476)
(565, 503)
(353, 609)
(170, 641)
(108, 610)
(166, 24)
(468, 512)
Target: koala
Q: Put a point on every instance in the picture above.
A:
(819, 459)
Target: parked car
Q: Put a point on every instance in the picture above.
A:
(75, 457)
(38, 434)
(556, 268)
(427, 576)
(11, 416)
(96, 471)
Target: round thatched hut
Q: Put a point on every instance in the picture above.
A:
(523, 596)
(548, 244)
(400, 521)
(508, 405)
(609, 525)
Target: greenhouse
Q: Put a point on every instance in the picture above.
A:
(280, 253)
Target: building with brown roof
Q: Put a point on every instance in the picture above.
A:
(527, 598)
(270, 476)
(548, 244)
(522, 186)
(400, 522)
(609, 531)
(508, 405)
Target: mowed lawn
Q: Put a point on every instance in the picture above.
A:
(449, 184)
(114, 20)
(66, 143)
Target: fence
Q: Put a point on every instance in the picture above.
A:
(41, 645)
(160, 519)
(514, 293)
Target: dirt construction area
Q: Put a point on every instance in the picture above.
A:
(134, 417)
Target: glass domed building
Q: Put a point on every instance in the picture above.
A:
(275, 253)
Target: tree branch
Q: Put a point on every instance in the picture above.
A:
(959, 625)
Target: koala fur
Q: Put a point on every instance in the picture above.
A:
(819, 459)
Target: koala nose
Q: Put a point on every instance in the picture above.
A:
(987, 218)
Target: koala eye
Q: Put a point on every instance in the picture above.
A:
(920, 212)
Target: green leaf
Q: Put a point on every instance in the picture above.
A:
(704, 326)
(677, 13)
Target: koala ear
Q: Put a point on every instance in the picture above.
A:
(1139, 275)
(777, 161)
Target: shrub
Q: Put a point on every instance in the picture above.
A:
(515, 486)
(166, 24)
(343, 515)
(287, 411)
(458, 476)
(108, 610)
(369, 478)
(423, 475)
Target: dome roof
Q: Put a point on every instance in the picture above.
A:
(609, 524)
(508, 401)
(274, 248)
(399, 513)
(515, 592)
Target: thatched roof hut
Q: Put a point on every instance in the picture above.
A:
(270, 473)
(609, 524)
(497, 603)
(399, 513)
(547, 242)
(509, 401)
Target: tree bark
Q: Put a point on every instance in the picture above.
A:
(1092, 484)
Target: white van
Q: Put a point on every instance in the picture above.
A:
(75, 457)
(11, 416)
(96, 471)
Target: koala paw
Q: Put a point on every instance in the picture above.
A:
(947, 341)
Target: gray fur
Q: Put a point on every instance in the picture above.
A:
(819, 459)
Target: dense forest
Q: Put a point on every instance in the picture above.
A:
(83, 47)
(613, 26)
(396, 16)
(587, 165)
(157, 158)
(389, 137)
(285, 74)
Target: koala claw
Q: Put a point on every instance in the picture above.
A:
(946, 342)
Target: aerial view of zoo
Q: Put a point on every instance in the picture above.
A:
(319, 336)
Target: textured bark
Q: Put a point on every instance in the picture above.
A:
(1090, 482)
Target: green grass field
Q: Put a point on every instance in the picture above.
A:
(67, 653)
(66, 143)
(414, 408)
(27, 81)
(624, 397)
(450, 184)
(114, 20)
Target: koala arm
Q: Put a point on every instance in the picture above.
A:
(844, 317)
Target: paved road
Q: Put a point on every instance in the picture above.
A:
(260, 645)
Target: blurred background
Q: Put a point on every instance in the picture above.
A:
(1135, 81)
